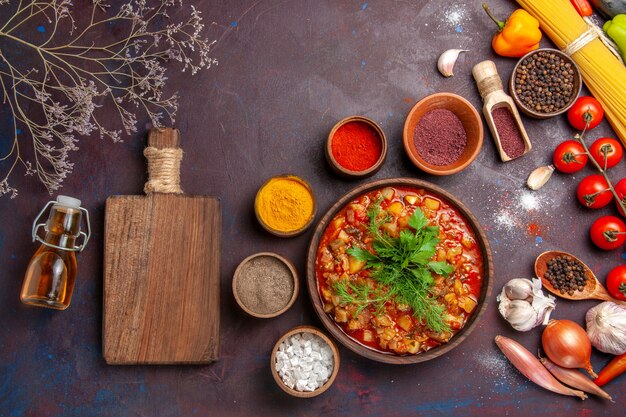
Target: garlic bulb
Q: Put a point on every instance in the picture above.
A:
(606, 327)
(446, 61)
(523, 304)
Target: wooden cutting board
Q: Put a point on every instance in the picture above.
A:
(161, 274)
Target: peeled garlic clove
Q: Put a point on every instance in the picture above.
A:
(446, 61)
(518, 289)
(539, 177)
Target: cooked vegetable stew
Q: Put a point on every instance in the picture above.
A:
(399, 270)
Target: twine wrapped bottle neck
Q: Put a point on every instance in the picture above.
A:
(489, 84)
(163, 170)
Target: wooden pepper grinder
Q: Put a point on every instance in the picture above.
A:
(490, 87)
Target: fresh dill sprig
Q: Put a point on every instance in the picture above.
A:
(361, 295)
(402, 265)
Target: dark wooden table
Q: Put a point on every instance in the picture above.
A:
(288, 70)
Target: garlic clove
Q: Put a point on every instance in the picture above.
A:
(539, 177)
(521, 315)
(543, 305)
(446, 61)
(518, 289)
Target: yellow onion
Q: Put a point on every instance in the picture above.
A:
(567, 345)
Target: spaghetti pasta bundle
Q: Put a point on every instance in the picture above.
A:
(602, 72)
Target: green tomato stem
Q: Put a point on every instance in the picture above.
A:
(580, 139)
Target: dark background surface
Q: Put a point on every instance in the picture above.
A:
(288, 70)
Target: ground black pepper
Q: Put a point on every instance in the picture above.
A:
(566, 274)
(439, 137)
(544, 82)
(510, 136)
(265, 285)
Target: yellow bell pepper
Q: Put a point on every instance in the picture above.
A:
(516, 36)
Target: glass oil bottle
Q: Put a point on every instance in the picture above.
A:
(51, 273)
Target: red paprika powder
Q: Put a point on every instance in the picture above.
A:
(356, 146)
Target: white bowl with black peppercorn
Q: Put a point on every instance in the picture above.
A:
(545, 83)
(304, 362)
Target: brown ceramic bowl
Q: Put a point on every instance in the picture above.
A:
(237, 276)
(337, 331)
(333, 375)
(472, 124)
(575, 91)
(282, 233)
(347, 173)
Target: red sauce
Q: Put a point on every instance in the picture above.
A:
(396, 330)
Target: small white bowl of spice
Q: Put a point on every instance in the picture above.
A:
(304, 362)
(265, 285)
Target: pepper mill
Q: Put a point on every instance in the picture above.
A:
(490, 87)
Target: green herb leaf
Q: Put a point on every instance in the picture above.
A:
(361, 295)
(441, 268)
(418, 220)
(423, 277)
(361, 254)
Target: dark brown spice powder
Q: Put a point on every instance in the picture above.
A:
(439, 137)
(510, 136)
(265, 285)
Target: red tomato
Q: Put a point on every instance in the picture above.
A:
(608, 232)
(620, 189)
(585, 107)
(570, 157)
(616, 282)
(609, 147)
(593, 192)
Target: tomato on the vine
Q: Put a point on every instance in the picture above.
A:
(608, 232)
(609, 147)
(585, 108)
(616, 282)
(570, 157)
(593, 192)
(620, 190)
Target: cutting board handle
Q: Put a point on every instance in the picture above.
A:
(164, 156)
(164, 137)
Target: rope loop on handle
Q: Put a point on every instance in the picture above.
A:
(163, 170)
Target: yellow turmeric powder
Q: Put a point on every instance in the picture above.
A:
(285, 204)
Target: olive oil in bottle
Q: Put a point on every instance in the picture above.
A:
(51, 273)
